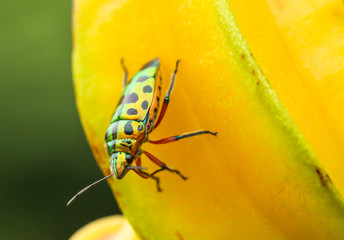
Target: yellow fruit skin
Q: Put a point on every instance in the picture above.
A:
(299, 44)
(259, 179)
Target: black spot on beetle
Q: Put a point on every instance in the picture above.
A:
(243, 56)
(128, 129)
(142, 78)
(132, 111)
(147, 89)
(156, 110)
(144, 104)
(131, 98)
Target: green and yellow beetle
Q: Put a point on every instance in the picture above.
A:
(135, 117)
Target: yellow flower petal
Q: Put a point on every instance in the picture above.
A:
(260, 179)
(107, 228)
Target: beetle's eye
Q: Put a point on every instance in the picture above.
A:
(139, 128)
(129, 159)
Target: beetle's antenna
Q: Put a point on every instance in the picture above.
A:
(86, 188)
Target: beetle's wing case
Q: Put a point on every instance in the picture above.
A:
(154, 108)
(139, 94)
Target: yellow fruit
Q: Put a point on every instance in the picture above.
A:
(113, 227)
(261, 178)
(300, 47)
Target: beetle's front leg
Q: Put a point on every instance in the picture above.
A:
(162, 165)
(147, 175)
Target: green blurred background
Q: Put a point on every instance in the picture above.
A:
(45, 158)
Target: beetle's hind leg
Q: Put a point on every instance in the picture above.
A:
(162, 165)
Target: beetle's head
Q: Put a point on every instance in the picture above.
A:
(119, 163)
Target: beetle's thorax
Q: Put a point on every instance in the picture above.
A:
(125, 136)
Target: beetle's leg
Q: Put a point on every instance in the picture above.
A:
(125, 73)
(167, 98)
(138, 162)
(147, 175)
(178, 137)
(162, 165)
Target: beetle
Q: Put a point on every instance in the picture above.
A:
(135, 117)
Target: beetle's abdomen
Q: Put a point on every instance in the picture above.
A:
(124, 136)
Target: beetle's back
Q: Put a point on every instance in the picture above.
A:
(139, 94)
(136, 111)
